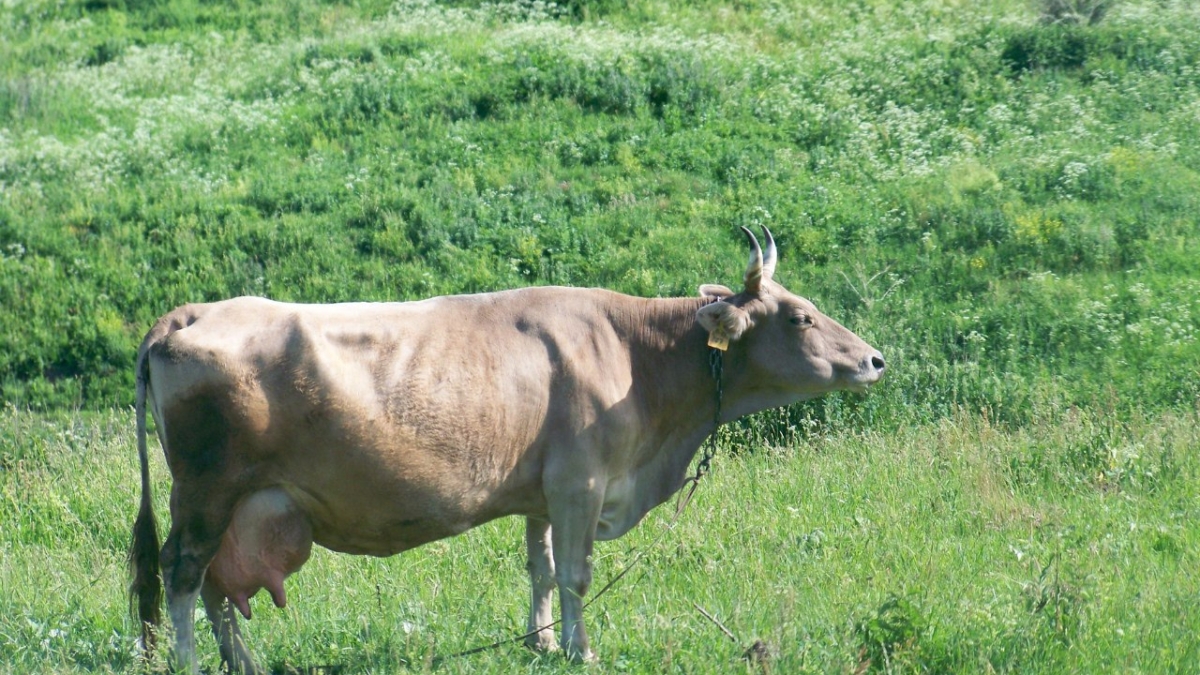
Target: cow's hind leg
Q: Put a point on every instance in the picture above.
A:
(184, 563)
(541, 582)
(224, 621)
(197, 524)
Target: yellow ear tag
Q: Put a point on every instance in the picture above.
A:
(718, 339)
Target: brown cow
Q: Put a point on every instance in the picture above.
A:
(375, 428)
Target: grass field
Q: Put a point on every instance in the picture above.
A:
(1007, 206)
(952, 547)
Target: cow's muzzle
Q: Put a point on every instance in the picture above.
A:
(870, 371)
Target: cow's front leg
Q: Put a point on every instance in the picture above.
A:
(574, 512)
(541, 583)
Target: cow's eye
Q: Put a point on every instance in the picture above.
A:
(801, 320)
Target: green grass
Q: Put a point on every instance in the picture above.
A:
(1069, 545)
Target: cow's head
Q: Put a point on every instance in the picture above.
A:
(791, 350)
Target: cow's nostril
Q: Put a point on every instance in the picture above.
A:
(877, 361)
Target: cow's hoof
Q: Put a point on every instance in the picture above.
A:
(544, 641)
(582, 657)
(241, 666)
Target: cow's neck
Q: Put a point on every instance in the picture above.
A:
(672, 368)
(671, 365)
(676, 394)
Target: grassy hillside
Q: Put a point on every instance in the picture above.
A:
(1007, 208)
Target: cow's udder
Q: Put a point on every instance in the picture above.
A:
(268, 539)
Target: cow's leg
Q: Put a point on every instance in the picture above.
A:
(195, 537)
(183, 568)
(541, 582)
(225, 628)
(574, 512)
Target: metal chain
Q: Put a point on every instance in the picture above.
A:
(716, 365)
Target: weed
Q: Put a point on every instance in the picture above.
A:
(1057, 601)
(1086, 12)
(887, 632)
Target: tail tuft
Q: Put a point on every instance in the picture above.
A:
(146, 589)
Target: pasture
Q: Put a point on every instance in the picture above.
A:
(951, 547)
(1007, 204)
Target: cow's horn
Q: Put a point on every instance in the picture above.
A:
(769, 256)
(754, 273)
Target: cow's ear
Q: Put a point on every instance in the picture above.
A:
(721, 318)
(714, 291)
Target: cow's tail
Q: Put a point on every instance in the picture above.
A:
(146, 589)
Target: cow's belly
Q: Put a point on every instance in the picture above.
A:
(384, 536)
(382, 523)
(404, 457)
(373, 507)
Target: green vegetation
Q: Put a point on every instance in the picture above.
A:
(1008, 208)
(1006, 203)
(1067, 546)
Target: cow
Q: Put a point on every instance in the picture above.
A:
(373, 428)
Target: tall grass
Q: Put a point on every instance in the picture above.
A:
(1068, 545)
